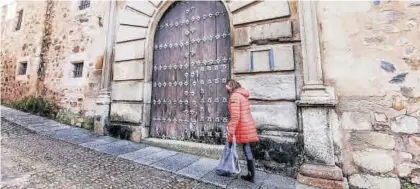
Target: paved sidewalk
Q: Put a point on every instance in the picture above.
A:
(195, 167)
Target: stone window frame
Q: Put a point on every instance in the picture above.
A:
(84, 4)
(23, 77)
(69, 68)
(77, 69)
(76, 4)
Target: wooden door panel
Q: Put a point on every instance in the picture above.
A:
(191, 67)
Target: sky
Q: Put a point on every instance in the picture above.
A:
(5, 2)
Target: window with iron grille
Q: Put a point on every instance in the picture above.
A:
(23, 66)
(84, 4)
(19, 21)
(78, 69)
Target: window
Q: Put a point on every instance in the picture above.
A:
(84, 4)
(23, 66)
(78, 69)
(19, 21)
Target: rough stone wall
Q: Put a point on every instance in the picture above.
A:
(77, 36)
(73, 36)
(23, 45)
(371, 56)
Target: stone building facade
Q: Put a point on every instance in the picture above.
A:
(334, 85)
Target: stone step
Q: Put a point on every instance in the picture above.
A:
(200, 149)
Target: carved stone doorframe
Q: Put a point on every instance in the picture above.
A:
(316, 103)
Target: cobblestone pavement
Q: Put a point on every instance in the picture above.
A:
(30, 160)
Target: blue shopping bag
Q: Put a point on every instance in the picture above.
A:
(229, 161)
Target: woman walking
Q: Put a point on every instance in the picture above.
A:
(241, 125)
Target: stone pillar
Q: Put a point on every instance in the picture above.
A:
(104, 98)
(315, 103)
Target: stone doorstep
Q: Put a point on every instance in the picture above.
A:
(190, 168)
(318, 182)
(323, 172)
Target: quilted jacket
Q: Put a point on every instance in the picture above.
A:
(241, 124)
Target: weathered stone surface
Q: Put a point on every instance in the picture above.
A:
(368, 160)
(235, 5)
(241, 37)
(278, 150)
(176, 162)
(272, 31)
(199, 168)
(119, 147)
(264, 58)
(405, 124)
(155, 2)
(278, 182)
(130, 17)
(154, 157)
(127, 33)
(275, 117)
(413, 3)
(129, 50)
(388, 16)
(126, 112)
(98, 142)
(403, 157)
(369, 181)
(140, 153)
(142, 6)
(413, 145)
(217, 180)
(323, 172)
(356, 121)
(127, 90)
(405, 169)
(128, 70)
(318, 182)
(262, 11)
(269, 87)
(318, 141)
(364, 139)
(264, 32)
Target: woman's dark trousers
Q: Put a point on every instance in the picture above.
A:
(249, 161)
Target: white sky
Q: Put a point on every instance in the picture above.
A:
(5, 2)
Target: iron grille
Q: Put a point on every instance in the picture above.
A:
(84, 4)
(19, 21)
(78, 69)
(22, 68)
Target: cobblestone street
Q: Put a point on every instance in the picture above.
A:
(30, 160)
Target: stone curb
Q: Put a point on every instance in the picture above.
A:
(190, 166)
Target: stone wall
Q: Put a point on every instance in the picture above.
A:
(266, 60)
(73, 36)
(371, 56)
(77, 36)
(19, 46)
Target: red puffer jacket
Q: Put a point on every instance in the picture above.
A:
(241, 123)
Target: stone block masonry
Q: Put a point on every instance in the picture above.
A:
(378, 116)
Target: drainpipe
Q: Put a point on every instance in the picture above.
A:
(103, 100)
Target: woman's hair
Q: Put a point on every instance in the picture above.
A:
(234, 84)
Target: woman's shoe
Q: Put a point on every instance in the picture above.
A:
(251, 172)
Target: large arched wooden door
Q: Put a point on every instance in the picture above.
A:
(190, 70)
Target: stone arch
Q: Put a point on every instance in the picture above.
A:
(259, 28)
(160, 10)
